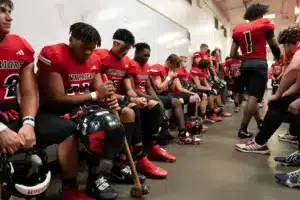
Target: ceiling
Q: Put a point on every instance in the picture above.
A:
(284, 10)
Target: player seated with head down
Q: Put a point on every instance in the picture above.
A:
(286, 100)
(116, 69)
(69, 77)
(162, 78)
(252, 38)
(17, 123)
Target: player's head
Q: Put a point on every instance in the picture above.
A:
(289, 37)
(227, 58)
(173, 61)
(83, 40)
(142, 52)
(6, 7)
(123, 41)
(184, 61)
(204, 48)
(256, 11)
(216, 52)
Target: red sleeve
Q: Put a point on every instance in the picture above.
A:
(268, 25)
(155, 71)
(28, 52)
(132, 68)
(48, 60)
(98, 64)
(102, 53)
(196, 55)
(195, 72)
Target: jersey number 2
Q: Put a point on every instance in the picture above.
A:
(11, 86)
(248, 40)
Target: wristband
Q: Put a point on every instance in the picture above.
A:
(28, 120)
(94, 96)
(2, 127)
(168, 78)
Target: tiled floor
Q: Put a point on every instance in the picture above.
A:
(214, 170)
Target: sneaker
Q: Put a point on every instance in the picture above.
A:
(149, 169)
(208, 121)
(237, 109)
(97, 187)
(225, 114)
(291, 179)
(287, 137)
(215, 118)
(157, 153)
(74, 194)
(187, 138)
(244, 134)
(122, 174)
(252, 147)
(290, 160)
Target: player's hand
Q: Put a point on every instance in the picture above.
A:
(27, 134)
(273, 98)
(139, 101)
(107, 89)
(112, 103)
(10, 142)
(294, 107)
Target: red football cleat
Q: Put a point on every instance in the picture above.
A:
(157, 153)
(74, 194)
(146, 167)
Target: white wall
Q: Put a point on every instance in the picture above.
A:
(44, 22)
(199, 21)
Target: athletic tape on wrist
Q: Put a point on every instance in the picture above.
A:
(94, 96)
(168, 78)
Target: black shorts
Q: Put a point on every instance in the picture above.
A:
(166, 100)
(207, 92)
(254, 77)
(185, 97)
(237, 86)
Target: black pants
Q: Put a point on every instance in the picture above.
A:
(275, 116)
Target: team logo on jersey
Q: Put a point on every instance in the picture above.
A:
(93, 67)
(20, 53)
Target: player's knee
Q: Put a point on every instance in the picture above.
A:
(192, 99)
(127, 115)
(152, 103)
(181, 100)
(204, 97)
(176, 103)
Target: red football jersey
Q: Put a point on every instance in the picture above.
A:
(77, 78)
(182, 74)
(159, 70)
(233, 67)
(140, 75)
(195, 71)
(114, 68)
(251, 37)
(200, 55)
(215, 62)
(15, 53)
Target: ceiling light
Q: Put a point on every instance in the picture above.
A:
(270, 16)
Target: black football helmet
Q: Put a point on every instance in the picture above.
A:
(100, 131)
(194, 126)
(25, 179)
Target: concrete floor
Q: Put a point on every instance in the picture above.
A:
(214, 170)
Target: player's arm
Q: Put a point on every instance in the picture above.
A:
(270, 36)
(294, 88)
(129, 86)
(28, 91)
(290, 75)
(234, 49)
(197, 81)
(179, 87)
(211, 69)
(160, 85)
(150, 90)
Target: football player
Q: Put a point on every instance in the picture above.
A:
(138, 84)
(115, 68)
(252, 38)
(16, 67)
(68, 77)
(285, 99)
(162, 77)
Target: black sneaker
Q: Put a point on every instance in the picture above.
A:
(290, 160)
(244, 134)
(291, 179)
(122, 174)
(97, 187)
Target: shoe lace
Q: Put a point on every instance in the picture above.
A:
(101, 184)
(126, 170)
(294, 174)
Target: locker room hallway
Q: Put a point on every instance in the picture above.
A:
(215, 170)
